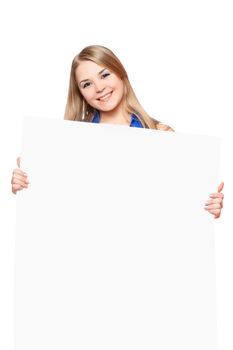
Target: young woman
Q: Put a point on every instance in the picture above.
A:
(100, 92)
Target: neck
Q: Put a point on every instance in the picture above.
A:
(115, 117)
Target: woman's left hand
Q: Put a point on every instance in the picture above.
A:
(215, 204)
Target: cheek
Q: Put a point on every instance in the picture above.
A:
(120, 87)
(87, 95)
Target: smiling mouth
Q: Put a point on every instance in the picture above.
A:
(105, 97)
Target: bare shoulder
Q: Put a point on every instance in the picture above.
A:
(164, 127)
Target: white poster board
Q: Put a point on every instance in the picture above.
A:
(114, 249)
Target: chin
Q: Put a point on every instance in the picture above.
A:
(106, 108)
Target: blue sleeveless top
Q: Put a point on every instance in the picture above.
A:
(135, 122)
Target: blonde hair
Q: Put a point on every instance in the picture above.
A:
(78, 109)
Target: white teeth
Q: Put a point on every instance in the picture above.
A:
(105, 97)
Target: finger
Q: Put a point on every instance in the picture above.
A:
(215, 212)
(16, 188)
(218, 205)
(19, 182)
(213, 206)
(214, 200)
(18, 161)
(217, 195)
(19, 172)
(20, 176)
(220, 187)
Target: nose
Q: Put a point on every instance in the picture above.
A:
(99, 86)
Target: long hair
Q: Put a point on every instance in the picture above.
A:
(78, 109)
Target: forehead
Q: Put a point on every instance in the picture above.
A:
(87, 70)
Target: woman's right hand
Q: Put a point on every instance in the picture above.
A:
(19, 179)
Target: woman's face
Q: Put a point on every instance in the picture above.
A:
(101, 88)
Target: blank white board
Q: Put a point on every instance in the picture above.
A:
(114, 249)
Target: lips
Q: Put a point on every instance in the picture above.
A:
(105, 97)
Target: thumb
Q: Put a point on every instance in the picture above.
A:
(220, 187)
(18, 161)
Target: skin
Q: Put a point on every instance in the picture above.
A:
(103, 90)
(215, 203)
(19, 179)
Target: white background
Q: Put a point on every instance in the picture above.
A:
(178, 55)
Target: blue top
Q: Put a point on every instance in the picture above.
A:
(135, 122)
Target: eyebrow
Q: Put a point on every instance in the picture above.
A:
(89, 79)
